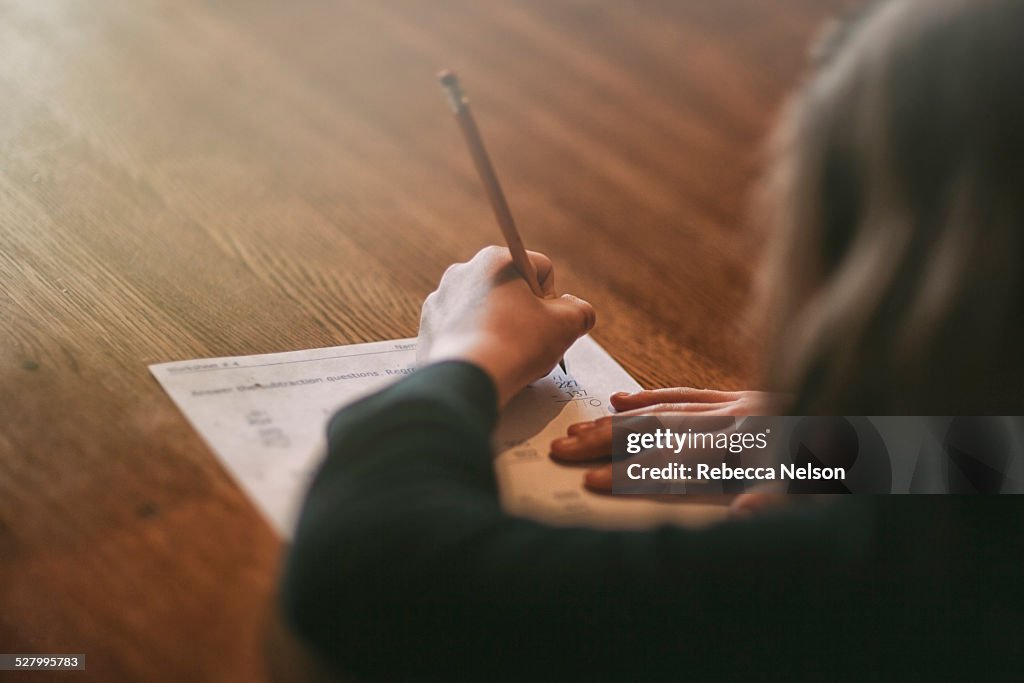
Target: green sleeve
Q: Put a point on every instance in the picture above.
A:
(404, 565)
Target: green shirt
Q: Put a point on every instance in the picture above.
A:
(405, 567)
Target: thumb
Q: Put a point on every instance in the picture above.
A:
(577, 313)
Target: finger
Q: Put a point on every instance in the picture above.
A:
(545, 272)
(578, 314)
(451, 272)
(748, 504)
(599, 480)
(492, 255)
(710, 409)
(640, 399)
(591, 444)
(581, 427)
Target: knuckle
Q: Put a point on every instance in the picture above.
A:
(451, 270)
(494, 253)
(541, 260)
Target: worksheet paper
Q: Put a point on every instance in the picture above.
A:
(265, 418)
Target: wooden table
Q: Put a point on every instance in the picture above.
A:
(181, 179)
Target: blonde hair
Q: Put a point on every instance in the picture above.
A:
(896, 199)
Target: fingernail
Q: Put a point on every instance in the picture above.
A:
(619, 394)
(565, 442)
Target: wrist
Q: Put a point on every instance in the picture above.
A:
(506, 384)
(498, 366)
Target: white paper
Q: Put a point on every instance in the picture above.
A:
(264, 416)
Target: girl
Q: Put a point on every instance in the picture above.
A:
(894, 288)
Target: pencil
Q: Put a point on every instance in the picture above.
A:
(460, 106)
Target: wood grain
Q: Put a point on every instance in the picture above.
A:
(185, 179)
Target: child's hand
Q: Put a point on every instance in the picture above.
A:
(484, 312)
(593, 440)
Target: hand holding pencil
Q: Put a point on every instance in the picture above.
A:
(460, 107)
(484, 168)
(484, 313)
(499, 311)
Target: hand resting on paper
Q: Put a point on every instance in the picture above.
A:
(589, 441)
(483, 312)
